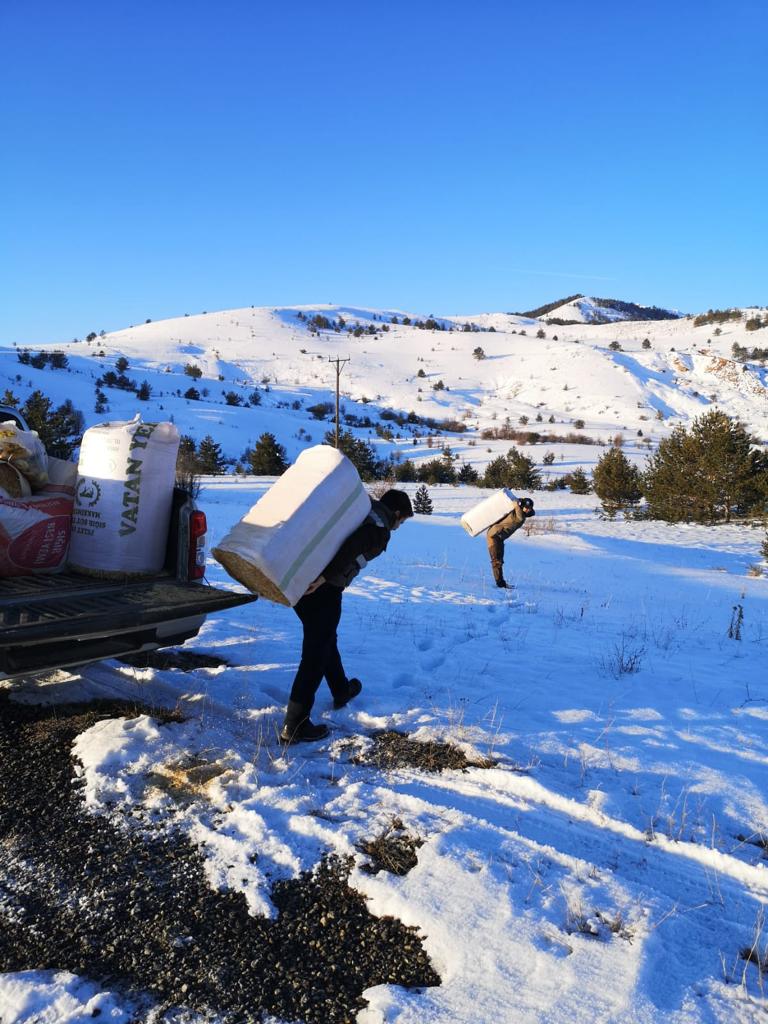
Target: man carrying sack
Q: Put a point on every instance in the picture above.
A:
(503, 530)
(320, 611)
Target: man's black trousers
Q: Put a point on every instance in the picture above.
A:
(320, 613)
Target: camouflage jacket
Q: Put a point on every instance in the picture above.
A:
(505, 527)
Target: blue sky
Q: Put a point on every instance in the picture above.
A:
(161, 158)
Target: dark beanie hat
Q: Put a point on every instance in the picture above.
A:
(397, 501)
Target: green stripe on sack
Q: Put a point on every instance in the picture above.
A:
(309, 548)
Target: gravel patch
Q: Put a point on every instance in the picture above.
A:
(131, 909)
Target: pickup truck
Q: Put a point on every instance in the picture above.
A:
(65, 620)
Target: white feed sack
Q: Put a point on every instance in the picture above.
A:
(123, 498)
(295, 529)
(488, 512)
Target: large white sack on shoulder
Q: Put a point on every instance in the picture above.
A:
(294, 530)
(488, 512)
(123, 498)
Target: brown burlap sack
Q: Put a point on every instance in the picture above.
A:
(13, 482)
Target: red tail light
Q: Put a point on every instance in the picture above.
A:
(197, 530)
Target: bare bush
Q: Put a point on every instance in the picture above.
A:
(624, 658)
(536, 525)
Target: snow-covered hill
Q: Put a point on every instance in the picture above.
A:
(481, 371)
(587, 310)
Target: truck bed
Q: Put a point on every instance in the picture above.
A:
(74, 610)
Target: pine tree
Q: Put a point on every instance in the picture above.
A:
(359, 453)
(437, 471)
(705, 474)
(732, 474)
(209, 457)
(513, 470)
(496, 473)
(422, 503)
(616, 481)
(187, 469)
(58, 360)
(578, 482)
(468, 474)
(187, 449)
(405, 472)
(9, 400)
(145, 391)
(267, 458)
(59, 429)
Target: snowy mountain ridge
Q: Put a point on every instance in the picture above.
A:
(208, 371)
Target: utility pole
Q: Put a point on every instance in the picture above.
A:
(339, 365)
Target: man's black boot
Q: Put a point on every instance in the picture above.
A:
(354, 686)
(298, 728)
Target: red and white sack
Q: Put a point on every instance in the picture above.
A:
(35, 530)
(123, 498)
(295, 529)
(488, 512)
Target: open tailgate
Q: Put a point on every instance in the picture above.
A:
(40, 609)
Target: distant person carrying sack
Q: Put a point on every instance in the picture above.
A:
(503, 530)
(320, 611)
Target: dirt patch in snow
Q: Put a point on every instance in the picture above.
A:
(393, 749)
(187, 661)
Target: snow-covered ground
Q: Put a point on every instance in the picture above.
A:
(610, 867)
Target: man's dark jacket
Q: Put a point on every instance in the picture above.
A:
(368, 541)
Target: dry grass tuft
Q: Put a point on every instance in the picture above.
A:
(394, 850)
